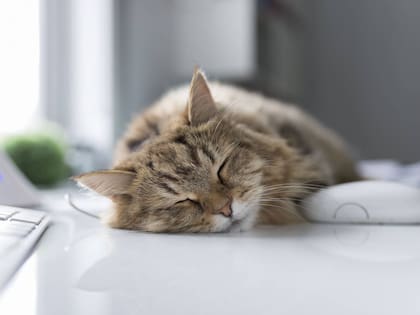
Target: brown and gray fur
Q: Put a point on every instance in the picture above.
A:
(212, 157)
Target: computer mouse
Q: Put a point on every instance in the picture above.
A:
(364, 202)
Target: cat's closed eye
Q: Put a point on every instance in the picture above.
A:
(192, 201)
(219, 172)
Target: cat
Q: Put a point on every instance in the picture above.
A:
(211, 157)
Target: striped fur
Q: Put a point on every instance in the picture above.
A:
(200, 151)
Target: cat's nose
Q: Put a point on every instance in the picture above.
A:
(226, 210)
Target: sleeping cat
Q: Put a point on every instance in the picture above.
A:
(212, 157)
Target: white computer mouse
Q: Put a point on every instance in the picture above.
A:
(368, 202)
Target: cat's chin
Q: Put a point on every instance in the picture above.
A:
(243, 218)
(240, 226)
(222, 224)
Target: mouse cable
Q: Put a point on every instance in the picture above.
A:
(68, 198)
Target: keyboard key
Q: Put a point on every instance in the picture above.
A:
(17, 238)
(28, 217)
(6, 213)
(13, 232)
(15, 228)
(22, 225)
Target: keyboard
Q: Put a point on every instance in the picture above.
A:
(20, 229)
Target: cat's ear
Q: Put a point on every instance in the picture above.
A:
(201, 106)
(107, 183)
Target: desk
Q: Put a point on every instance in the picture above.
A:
(80, 267)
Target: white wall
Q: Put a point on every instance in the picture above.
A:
(157, 44)
(77, 89)
(91, 76)
(19, 64)
(103, 61)
(363, 72)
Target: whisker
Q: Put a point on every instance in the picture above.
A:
(281, 199)
(297, 185)
(285, 193)
(282, 209)
(292, 188)
(288, 190)
(278, 204)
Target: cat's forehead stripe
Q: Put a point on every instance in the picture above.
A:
(167, 176)
(194, 155)
(168, 188)
(183, 170)
(192, 150)
(208, 153)
(181, 139)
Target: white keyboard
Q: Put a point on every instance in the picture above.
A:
(19, 231)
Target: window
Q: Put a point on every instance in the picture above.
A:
(19, 64)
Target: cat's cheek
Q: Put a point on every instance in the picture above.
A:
(244, 215)
(239, 210)
(243, 209)
(249, 222)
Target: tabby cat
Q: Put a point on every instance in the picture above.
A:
(212, 157)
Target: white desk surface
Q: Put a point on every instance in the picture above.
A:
(80, 267)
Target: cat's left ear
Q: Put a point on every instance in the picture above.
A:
(201, 106)
(109, 183)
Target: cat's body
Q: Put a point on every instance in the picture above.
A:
(215, 157)
(254, 111)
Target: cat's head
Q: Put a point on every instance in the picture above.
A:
(203, 175)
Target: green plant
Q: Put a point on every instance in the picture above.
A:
(40, 156)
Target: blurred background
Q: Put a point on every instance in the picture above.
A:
(78, 71)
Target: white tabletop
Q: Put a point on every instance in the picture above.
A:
(80, 267)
